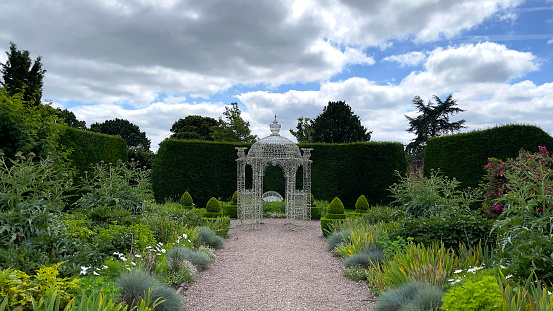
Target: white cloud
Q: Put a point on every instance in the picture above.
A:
(407, 60)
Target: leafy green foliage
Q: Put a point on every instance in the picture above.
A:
(31, 194)
(362, 205)
(124, 238)
(27, 128)
(338, 124)
(130, 133)
(89, 148)
(20, 74)
(213, 205)
(121, 185)
(234, 128)
(22, 289)
(462, 156)
(186, 200)
(304, 133)
(431, 196)
(335, 207)
(479, 295)
(220, 225)
(194, 127)
(433, 122)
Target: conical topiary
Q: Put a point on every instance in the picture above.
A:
(362, 205)
(213, 208)
(315, 210)
(186, 201)
(334, 212)
(336, 207)
(235, 197)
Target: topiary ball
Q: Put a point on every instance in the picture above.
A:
(213, 206)
(186, 199)
(336, 207)
(362, 205)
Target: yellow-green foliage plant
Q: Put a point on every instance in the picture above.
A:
(478, 295)
(186, 201)
(433, 264)
(361, 237)
(24, 289)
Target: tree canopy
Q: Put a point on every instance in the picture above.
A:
(336, 124)
(21, 75)
(233, 128)
(194, 127)
(304, 133)
(432, 121)
(130, 133)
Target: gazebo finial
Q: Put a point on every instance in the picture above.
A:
(275, 127)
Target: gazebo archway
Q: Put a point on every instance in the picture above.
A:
(274, 150)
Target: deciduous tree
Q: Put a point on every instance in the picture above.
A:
(233, 128)
(130, 133)
(304, 133)
(194, 127)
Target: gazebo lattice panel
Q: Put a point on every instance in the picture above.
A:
(274, 150)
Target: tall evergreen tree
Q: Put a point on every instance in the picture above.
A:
(432, 121)
(338, 124)
(21, 75)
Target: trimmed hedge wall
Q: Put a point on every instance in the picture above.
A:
(464, 156)
(89, 148)
(207, 169)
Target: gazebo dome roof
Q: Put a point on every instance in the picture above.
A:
(275, 146)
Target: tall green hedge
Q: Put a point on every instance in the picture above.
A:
(207, 169)
(464, 156)
(90, 148)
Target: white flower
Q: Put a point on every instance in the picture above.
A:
(84, 269)
(95, 273)
(184, 235)
(116, 253)
(132, 263)
(104, 267)
(509, 276)
(458, 271)
(123, 258)
(159, 254)
(137, 256)
(163, 250)
(473, 270)
(129, 269)
(189, 241)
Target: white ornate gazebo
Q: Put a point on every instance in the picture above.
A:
(274, 150)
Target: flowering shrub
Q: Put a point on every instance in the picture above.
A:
(525, 200)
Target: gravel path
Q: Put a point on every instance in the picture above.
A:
(276, 269)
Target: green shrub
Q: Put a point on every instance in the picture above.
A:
(411, 296)
(231, 209)
(480, 295)
(383, 214)
(199, 259)
(336, 239)
(365, 259)
(186, 200)
(89, 148)
(362, 205)
(135, 285)
(326, 224)
(468, 229)
(121, 185)
(208, 237)
(462, 156)
(170, 299)
(117, 238)
(335, 207)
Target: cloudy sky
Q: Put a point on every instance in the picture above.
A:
(152, 61)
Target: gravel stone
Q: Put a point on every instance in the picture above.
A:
(275, 268)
